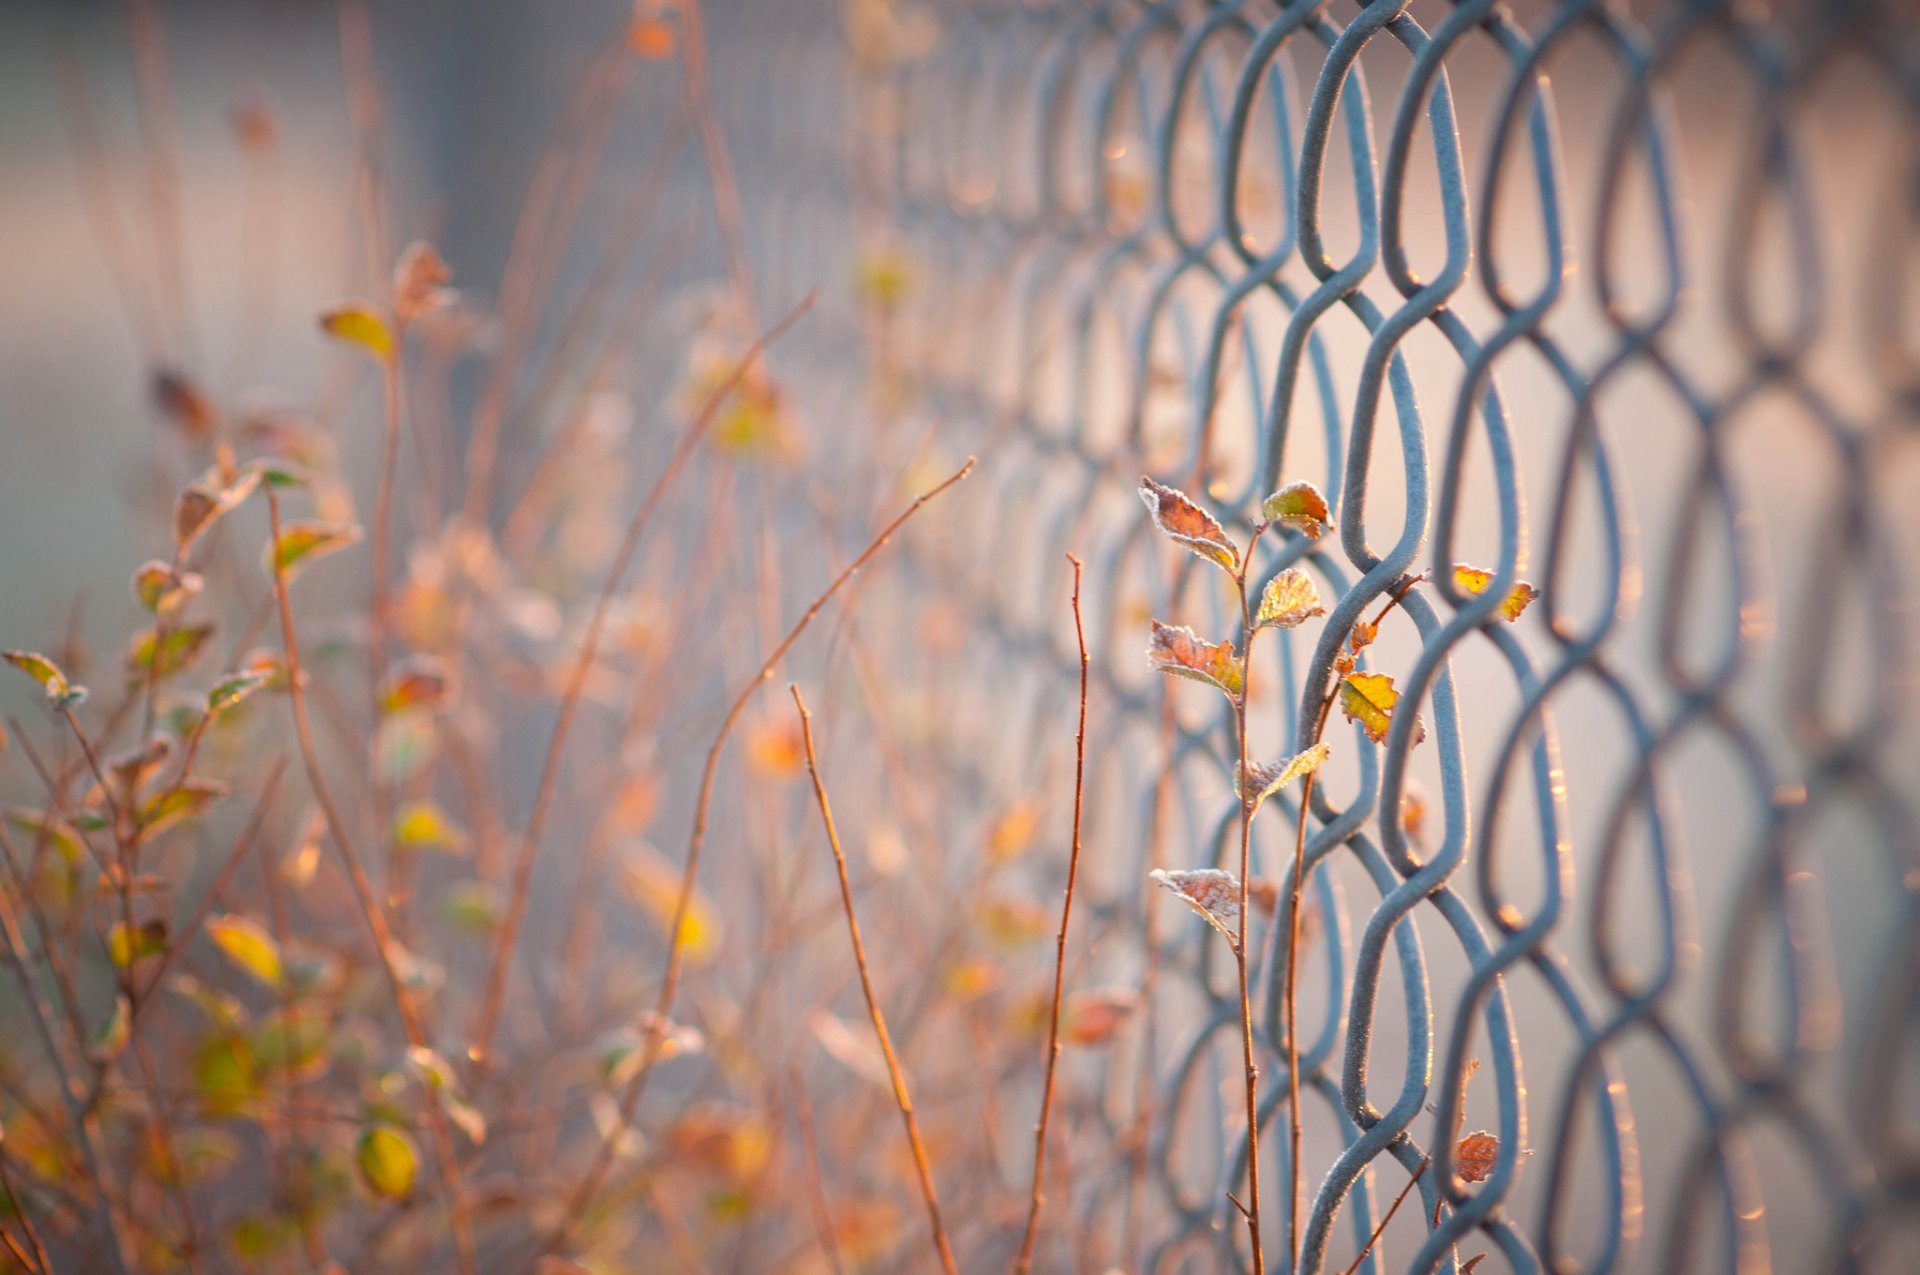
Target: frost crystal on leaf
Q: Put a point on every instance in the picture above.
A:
(1212, 892)
(1474, 582)
(1259, 781)
(1289, 601)
(1176, 649)
(1299, 506)
(1178, 518)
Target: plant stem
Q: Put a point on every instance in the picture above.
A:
(1243, 785)
(1393, 1208)
(1025, 1261)
(509, 935)
(894, 1073)
(369, 901)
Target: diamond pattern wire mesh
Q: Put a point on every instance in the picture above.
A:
(1615, 302)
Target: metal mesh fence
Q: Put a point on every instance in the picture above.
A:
(1618, 303)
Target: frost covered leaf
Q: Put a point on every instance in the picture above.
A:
(113, 1035)
(185, 404)
(1178, 518)
(1299, 506)
(183, 802)
(1092, 1018)
(48, 674)
(229, 691)
(162, 654)
(1212, 892)
(1474, 582)
(1260, 781)
(422, 825)
(1369, 698)
(387, 1162)
(1289, 601)
(359, 325)
(162, 590)
(243, 941)
(1475, 1156)
(205, 502)
(1175, 649)
(308, 540)
(422, 681)
(126, 946)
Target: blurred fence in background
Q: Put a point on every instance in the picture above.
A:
(1619, 303)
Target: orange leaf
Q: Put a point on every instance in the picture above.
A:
(1175, 649)
(1178, 518)
(1475, 1156)
(1299, 506)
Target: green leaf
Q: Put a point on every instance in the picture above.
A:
(113, 1035)
(229, 691)
(244, 942)
(1288, 601)
(161, 655)
(293, 1042)
(387, 1162)
(225, 1074)
(1299, 506)
(1260, 781)
(472, 907)
(422, 825)
(361, 326)
(1179, 519)
(1176, 650)
(48, 674)
(186, 801)
(308, 541)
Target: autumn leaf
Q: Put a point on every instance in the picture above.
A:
(1475, 1155)
(1299, 506)
(1369, 698)
(1177, 650)
(185, 801)
(308, 540)
(57, 833)
(422, 825)
(162, 590)
(1179, 519)
(654, 885)
(244, 942)
(1474, 582)
(387, 1161)
(420, 282)
(185, 404)
(158, 654)
(126, 946)
(421, 681)
(1011, 833)
(44, 671)
(1260, 781)
(359, 325)
(1288, 601)
(209, 498)
(1092, 1018)
(1212, 892)
(651, 38)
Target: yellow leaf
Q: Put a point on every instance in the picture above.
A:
(243, 941)
(1474, 582)
(126, 946)
(1299, 506)
(46, 672)
(421, 825)
(1176, 649)
(164, 654)
(361, 326)
(163, 590)
(184, 801)
(307, 540)
(387, 1162)
(1179, 519)
(655, 886)
(1012, 831)
(1289, 601)
(1369, 698)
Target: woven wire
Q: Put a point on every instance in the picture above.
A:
(1473, 270)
